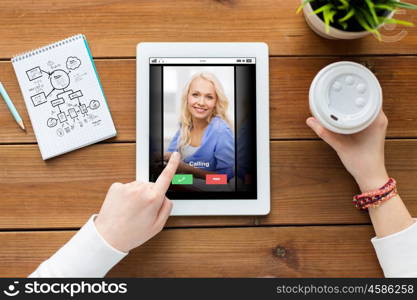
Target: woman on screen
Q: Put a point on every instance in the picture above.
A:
(205, 138)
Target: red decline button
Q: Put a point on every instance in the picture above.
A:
(216, 179)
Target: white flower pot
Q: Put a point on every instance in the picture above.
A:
(319, 27)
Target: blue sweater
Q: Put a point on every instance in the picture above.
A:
(216, 152)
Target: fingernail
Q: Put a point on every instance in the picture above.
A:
(310, 121)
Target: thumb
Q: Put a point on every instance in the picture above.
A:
(331, 138)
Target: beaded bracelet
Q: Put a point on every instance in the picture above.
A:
(379, 202)
(376, 197)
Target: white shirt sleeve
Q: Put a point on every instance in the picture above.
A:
(87, 254)
(397, 253)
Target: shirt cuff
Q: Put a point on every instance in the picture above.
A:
(87, 254)
(397, 252)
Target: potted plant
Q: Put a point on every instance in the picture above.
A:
(351, 19)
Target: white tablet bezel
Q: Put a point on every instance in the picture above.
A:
(259, 206)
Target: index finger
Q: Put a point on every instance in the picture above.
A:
(164, 180)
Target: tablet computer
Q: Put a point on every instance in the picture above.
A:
(210, 103)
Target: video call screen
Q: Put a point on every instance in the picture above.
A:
(205, 109)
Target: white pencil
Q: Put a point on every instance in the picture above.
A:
(11, 107)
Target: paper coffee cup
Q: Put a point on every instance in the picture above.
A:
(345, 97)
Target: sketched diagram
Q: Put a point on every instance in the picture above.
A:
(69, 108)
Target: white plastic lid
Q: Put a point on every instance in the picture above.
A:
(345, 97)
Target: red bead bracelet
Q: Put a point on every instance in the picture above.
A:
(377, 197)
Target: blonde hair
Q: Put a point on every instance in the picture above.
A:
(220, 109)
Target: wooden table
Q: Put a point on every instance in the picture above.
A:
(312, 231)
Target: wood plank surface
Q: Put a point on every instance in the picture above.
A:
(63, 192)
(319, 251)
(113, 28)
(309, 185)
(290, 80)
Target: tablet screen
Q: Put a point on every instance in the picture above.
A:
(205, 109)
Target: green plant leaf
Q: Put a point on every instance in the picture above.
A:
(328, 15)
(368, 14)
(364, 23)
(322, 8)
(372, 10)
(345, 4)
(399, 22)
(344, 25)
(300, 8)
(368, 18)
(384, 7)
(349, 15)
(403, 5)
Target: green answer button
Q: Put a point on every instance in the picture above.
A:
(182, 179)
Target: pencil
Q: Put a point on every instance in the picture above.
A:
(11, 107)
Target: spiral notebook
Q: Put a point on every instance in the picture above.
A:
(64, 97)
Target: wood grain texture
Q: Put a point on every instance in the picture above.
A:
(309, 185)
(63, 192)
(113, 28)
(334, 251)
(290, 80)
